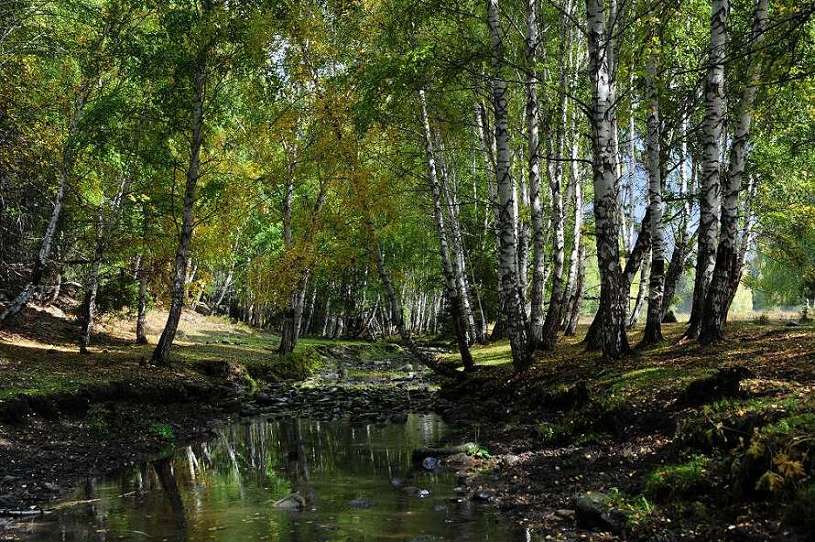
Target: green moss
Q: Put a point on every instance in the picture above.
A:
(651, 379)
(678, 481)
(298, 365)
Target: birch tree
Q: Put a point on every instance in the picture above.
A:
(451, 286)
(513, 297)
(611, 313)
(709, 183)
(727, 266)
(656, 281)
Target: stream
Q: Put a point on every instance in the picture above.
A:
(282, 480)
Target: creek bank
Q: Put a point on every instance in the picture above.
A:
(51, 441)
(667, 447)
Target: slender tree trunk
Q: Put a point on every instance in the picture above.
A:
(533, 168)
(709, 186)
(456, 310)
(575, 193)
(92, 286)
(576, 299)
(288, 332)
(727, 266)
(747, 237)
(162, 351)
(680, 252)
(612, 337)
(41, 261)
(458, 258)
(656, 281)
(514, 303)
(141, 317)
(397, 316)
(645, 273)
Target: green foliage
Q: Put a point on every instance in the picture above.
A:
(116, 293)
(474, 450)
(679, 481)
(163, 431)
(637, 509)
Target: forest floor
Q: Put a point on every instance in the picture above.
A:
(675, 442)
(661, 445)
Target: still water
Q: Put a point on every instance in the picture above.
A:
(354, 482)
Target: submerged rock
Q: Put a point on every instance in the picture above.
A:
(292, 502)
(430, 463)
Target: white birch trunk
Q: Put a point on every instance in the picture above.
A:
(709, 183)
(611, 336)
(441, 233)
(656, 281)
(727, 255)
(513, 298)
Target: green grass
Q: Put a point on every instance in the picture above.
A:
(678, 481)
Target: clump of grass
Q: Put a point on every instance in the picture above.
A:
(636, 508)
(679, 481)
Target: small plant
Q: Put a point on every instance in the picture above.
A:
(637, 509)
(805, 319)
(763, 319)
(474, 450)
(163, 431)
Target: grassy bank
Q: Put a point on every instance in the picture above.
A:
(663, 437)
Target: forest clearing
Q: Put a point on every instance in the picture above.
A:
(419, 270)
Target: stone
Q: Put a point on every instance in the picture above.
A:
(460, 460)
(725, 382)
(265, 399)
(292, 502)
(565, 513)
(484, 496)
(510, 459)
(361, 503)
(430, 463)
(593, 511)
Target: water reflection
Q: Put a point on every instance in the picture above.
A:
(292, 480)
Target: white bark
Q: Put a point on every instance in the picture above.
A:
(513, 298)
(709, 183)
(441, 233)
(532, 113)
(611, 336)
(718, 296)
(656, 283)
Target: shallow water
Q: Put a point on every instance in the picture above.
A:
(357, 481)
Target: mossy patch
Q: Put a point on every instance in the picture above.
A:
(679, 481)
(297, 365)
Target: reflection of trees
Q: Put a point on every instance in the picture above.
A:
(166, 475)
(246, 467)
